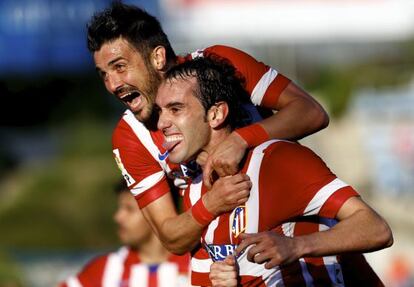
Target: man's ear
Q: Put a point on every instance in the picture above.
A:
(217, 114)
(159, 58)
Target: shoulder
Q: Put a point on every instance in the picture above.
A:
(95, 266)
(290, 158)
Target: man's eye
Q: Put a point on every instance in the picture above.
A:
(119, 67)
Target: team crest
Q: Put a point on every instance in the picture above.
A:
(238, 221)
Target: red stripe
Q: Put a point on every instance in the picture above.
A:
(153, 279)
(273, 92)
(315, 265)
(332, 205)
(153, 193)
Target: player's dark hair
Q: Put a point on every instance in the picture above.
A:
(130, 22)
(217, 81)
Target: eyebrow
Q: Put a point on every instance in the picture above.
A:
(175, 105)
(115, 60)
(109, 64)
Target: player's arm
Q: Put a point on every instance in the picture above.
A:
(299, 114)
(181, 233)
(360, 229)
(306, 187)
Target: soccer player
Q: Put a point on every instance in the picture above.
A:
(291, 186)
(131, 54)
(142, 261)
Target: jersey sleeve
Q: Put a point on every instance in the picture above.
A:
(90, 276)
(264, 83)
(302, 181)
(144, 176)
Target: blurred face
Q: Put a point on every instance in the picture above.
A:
(128, 76)
(133, 229)
(182, 119)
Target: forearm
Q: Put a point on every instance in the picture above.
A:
(179, 233)
(296, 120)
(363, 231)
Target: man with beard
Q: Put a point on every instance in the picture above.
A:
(131, 54)
(311, 214)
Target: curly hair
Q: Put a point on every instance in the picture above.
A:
(134, 24)
(217, 80)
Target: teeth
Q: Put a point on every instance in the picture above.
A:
(130, 96)
(173, 138)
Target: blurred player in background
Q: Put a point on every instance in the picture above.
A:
(306, 214)
(141, 262)
(131, 54)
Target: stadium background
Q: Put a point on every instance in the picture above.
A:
(56, 169)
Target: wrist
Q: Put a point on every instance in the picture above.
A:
(301, 248)
(253, 135)
(201, 214)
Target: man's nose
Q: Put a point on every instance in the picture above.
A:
(163, 121)
(113, 83)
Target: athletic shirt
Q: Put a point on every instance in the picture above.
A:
(139, 152)
(125, 269)
(293, 193)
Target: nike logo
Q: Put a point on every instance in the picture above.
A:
(163, 156)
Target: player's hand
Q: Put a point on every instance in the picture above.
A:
(227, 193)
(224, 159)
(269, 247)
(224, 273)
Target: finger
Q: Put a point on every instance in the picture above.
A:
(220, 170)
(243, 236)
(261, 256)
(207, 174)
(247, 240)
(254, 253)
(242, 200)
(230, 260)
(239, 178)
(271, 264)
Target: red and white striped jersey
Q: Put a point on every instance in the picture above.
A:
(139, 152)
(294, 193)
(125, 269)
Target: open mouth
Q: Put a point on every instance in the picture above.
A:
(170, 142)
(129, 97)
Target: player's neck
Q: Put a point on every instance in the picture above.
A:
(153, 252)
(217, 137)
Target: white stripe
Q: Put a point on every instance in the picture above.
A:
(247, 268)
(73, 282)
(288, 228)
(334, 270)
(139, 276)
(209, 237)
(144, 135)
(253, 170)
(275, 280)
(261, 86)
(195, 192)
(322, 195)
(201, 265)
(167, 275)
(114, 268)
(147, 183)
(305, 272)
